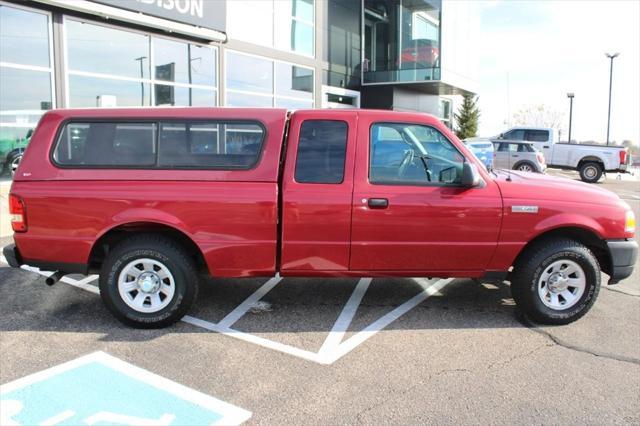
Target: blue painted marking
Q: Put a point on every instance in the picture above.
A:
(97, 393)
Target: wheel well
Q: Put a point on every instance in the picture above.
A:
(591, 160)
(588, 238)
(114, 236)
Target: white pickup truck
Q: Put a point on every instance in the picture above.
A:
(590, 160)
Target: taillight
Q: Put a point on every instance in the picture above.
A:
(623, 156)
(18, 213)
(540, 157)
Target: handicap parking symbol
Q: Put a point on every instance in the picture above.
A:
(99, 389)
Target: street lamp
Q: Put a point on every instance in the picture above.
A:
(570, 96)
(141, 59)
(610, 56)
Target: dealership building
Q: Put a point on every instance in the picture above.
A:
(408, 55)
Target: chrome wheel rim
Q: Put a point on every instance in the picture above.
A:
(146, 285)
(561, 284)
(590, 172)
(525, 168)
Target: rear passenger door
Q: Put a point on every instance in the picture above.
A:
(317, 187)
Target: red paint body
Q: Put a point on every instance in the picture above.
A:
(326, 229)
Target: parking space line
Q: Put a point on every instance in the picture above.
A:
(244, 307)
(429, 289)
(332, 349)
(346, 316)
(252, 338)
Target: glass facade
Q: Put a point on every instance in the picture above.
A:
(281, 24)
(26, 79)
(343, 44)
(254, 81)
(114, 67)
(402, 40)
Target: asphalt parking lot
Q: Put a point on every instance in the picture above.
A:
(345, 351)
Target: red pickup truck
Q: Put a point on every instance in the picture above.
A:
(151, 199)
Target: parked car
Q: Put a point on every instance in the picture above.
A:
(16, 128)
(483, 150)
(522, 156)
(132, 194)
(421, 53)
(591, 161)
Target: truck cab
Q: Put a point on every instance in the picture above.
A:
(152, 199)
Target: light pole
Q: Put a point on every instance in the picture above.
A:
(610, 56)
(140, 59)
(570, 96)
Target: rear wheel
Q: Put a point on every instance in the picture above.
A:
(148, 281)
(525, 166)
(556, 281)
(590, 172)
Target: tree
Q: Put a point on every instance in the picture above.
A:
(467, 117)
(539, 116)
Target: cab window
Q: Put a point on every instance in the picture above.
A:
(402, 153)
(514, 135)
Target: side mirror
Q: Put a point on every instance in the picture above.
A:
(470, 175)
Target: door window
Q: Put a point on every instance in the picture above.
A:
(321, 152)
(514, 135)
(403, 153)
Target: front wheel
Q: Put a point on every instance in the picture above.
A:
(556, 282)
(148, 281)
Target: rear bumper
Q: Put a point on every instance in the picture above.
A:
(624, 254)
(12, 255)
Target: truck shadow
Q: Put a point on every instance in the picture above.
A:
(295, 309)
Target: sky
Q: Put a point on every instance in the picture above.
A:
(538, 51)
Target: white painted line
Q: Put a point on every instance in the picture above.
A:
(82, 284)
(350, 344)
(58, 418)
(242, 308)
(270, 344)
(346, 316)
(232, 414)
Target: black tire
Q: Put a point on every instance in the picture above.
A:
(533, 263)
(169, 254)
(12, 162)
(590, 172)
(525, 163)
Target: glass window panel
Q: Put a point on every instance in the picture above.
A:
(302, 38)
(209, 145)
(303, 9)
(184, 63)
(321, 152)
(24, 37)
(107, 144)
(245, 100)
(294, 81)
(105, 92)
(249, 73)
(251, 21)
(167, 95)
(412, 154)
(292, 104)
(24, 89)
(98, 49)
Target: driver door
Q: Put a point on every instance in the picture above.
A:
(410, 212)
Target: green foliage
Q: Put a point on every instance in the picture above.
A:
(467, 117)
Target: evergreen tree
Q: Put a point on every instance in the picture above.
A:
(467, 118)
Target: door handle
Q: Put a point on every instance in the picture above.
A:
(516, 155)
(378, 203)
